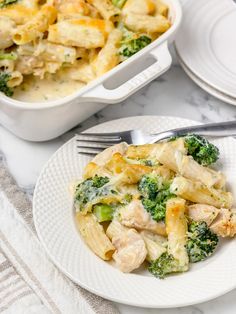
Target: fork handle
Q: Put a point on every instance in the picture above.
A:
(219, 129)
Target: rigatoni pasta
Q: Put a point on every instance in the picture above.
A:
(95, 236)
(152, 204)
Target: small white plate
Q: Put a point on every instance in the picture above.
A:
(208, 88)
(206, 44)
(54, 221)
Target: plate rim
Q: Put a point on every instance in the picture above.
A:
(206, 86)
(82, 284)
(195, 71)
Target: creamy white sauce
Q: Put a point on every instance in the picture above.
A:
(34, 89)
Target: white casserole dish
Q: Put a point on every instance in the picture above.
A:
(45, 121)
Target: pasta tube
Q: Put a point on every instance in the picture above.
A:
(155, 247)
(197, 192)
(108, 57)
(35, 26)
(18, 13)
(105, 8)
(146, 23)
(130, 173)
(16, 79)
(94, 235)
(139, 7)
(81, 70)
(84, 32)
(187, 166)
(148, 151)
(72, 7)
(114, 229)
(176, 227)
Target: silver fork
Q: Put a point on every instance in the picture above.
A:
(93, 143)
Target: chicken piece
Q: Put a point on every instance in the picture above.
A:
(225, 223)
(221, 221)
(203, 212)
(130, 250)
(134, 215)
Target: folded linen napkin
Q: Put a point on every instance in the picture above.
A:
(29, 281)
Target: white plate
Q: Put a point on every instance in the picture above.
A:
(206, 45)
(54, 221)
(208, 88)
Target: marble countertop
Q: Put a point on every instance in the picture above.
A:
(173, 94)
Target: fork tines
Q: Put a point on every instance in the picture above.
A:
(91, 144)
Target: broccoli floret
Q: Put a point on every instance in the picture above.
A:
(119, 3)
(7, 56)
(103, 212)
(4, 88)
(164, 265)
(98, 182)
(90, 189)
(4, 3)
(130, 45)
(201, 242)
(154, 194)
(201, 150)
(149, 186)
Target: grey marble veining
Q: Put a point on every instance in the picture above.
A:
(173, 94)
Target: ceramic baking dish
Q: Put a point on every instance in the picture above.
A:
(44, 121)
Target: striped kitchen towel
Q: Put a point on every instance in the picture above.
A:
(29, 282)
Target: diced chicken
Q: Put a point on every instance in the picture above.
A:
(221, 221)
(202, 212)
(134, 215)
(225, 223)
(130, 250)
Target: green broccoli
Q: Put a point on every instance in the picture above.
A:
(4, 3)
(131, 45)
(201, 242)
(103, 212)
(201, 149)
(7, 56)
(164, 265)
(4, 88)
(119, 3)
(90, 189)
(154, 194)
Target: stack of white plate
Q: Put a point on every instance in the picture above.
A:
(206, 46)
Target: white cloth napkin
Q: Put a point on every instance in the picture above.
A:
(29, 281)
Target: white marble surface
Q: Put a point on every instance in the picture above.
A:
(172, 94)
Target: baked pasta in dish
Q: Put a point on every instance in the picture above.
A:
(49, 49)
(160, 203)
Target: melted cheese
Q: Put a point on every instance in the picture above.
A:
(51, 88)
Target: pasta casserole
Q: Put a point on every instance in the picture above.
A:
(50, 49)
(160, 205)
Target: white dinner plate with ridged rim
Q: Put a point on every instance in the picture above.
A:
(205, 43)
(54, 222)
(208, 88)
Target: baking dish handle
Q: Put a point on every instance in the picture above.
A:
(162, 64)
